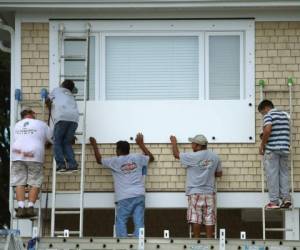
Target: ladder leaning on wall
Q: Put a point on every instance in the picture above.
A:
(78, 39)
(283, 229)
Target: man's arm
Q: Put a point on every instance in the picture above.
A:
(96, 150)
(140, 141)
(174, 147)
(265, 137)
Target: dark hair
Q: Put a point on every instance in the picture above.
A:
(26, 112)
(265, 103)
(123, 147)
(68, 84)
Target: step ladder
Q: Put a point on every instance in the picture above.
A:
(64, 57)
(36, 222)
(264, 210)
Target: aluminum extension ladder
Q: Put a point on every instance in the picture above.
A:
(36, 221)
(83, 37)
(290, 85)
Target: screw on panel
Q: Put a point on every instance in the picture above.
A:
(157, 246)
(213, 138)
(226, 241)
(118, 240)
(253, 242)
(250, 138)
(103, 246)
(171, 240)
(91, 240)
(198, 241)
(77, 245)
(50, 245)
(250, 104)
(280, 242)
(239, 248)
(64, 239)
(184, 246)
(130, 246)
(212, 247)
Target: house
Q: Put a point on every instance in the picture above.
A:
(167, 67)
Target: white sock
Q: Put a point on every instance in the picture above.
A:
(21, 204)
(30, 204)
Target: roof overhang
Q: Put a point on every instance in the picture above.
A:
(74, 4)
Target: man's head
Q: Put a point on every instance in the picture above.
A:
(123, 148)
(27, 112)
(68, 84)
(199, 142)
(265, 106)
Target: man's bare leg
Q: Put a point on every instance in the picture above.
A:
(20, 193)
(210, 231)
(33, 194)
(196, 230)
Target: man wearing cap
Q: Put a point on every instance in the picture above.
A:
(27, 155)
(63, 108)
(202, 167)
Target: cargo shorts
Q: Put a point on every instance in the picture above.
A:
(201, 209)
(26, 173)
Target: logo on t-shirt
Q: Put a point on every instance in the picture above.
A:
(128, 168)
(25, 124)
(205, 163)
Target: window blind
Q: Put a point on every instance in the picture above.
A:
(151, 67)
(224, 67)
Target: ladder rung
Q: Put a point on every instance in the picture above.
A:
(74, 77)
(81, 114)
(279, 229)
(77, 152)
(75, 38)
(73, 58)
(70, 232)
(67, 212)
(79, 133)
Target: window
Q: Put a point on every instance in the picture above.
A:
(151, 67)
(163, 77)
(224, 66)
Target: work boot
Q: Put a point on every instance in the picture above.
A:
(20, 212)
(30, 212)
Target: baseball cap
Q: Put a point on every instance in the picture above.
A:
(198, 139)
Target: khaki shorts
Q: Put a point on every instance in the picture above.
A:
(201, 209)
(26, 173)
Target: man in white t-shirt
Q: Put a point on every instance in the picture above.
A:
(63, 108)
(27, 156)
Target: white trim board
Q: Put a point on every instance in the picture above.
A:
(259, 15)
(161, 200)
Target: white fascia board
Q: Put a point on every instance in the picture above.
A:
(163, 200)
(146, 4)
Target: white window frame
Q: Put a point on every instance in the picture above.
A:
(240, 130)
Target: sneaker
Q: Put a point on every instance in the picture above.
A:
(286, 204)
(30, 212)
(20, 212)
(272, 205)
(72, 170)
(61, 168)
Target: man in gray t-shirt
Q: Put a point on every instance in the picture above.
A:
(128, 174)
(63, 109)
(202, 167)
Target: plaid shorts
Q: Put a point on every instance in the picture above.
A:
(201, 209)
(26, 173)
